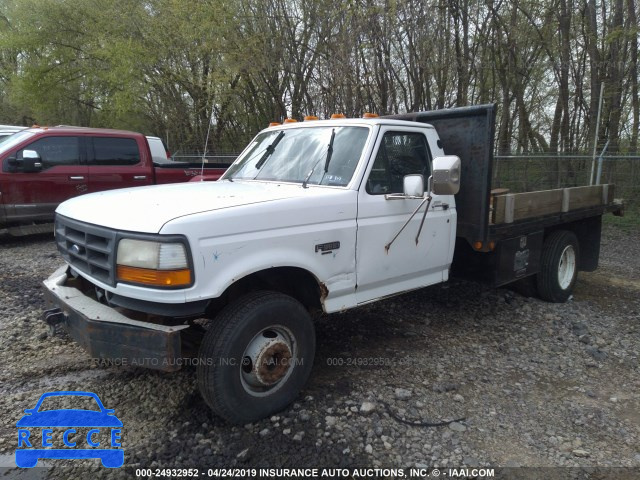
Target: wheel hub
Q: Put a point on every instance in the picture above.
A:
(267, 359)
(566, 267)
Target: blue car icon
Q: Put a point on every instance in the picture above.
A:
(45, 420)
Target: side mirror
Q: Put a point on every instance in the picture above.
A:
(446, 175)
(31, 161)
(413, 185)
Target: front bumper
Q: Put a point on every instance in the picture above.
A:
(107, 334)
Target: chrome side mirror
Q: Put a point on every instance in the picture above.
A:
(446, 175)
(413, 185)
(32, 154)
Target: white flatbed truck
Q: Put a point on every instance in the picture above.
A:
(318, 216)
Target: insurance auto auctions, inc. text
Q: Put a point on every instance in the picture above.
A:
(354, 473)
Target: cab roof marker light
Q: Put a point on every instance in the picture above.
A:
(336, 116)
(310, 117)
(274, 124)
(370, 115)
(290, 120)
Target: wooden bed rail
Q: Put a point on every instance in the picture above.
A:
(511, 207)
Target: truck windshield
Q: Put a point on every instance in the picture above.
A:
(7, 143)
(300, 152)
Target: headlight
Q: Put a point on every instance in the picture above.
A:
(153, 263)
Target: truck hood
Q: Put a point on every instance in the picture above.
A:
(147, 209)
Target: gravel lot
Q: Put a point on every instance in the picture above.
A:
(537, 384)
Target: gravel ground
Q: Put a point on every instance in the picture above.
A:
(536, 384)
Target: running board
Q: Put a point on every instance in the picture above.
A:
(23, 230)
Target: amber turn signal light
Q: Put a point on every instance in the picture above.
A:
(158, 278)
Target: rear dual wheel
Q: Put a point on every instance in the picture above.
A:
(256, 357)
(558, 266)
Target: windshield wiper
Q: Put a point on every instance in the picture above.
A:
(269, 150)
(329, 152)
(326, 162)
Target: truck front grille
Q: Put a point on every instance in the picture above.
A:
(87, 248)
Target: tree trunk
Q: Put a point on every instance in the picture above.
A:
(633, 73)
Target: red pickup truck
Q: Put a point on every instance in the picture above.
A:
(43, 166)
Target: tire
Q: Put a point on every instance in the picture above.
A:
(263, 329)
(558, 266)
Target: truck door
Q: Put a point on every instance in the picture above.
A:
(117, 162)
(405, 265)
(62, 174)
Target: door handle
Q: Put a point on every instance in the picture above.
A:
(76, 178)
(139, 177)
(443, 206)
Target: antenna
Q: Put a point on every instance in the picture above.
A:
(206, 142)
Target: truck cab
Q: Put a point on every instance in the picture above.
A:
(329, 193)
(42, 167)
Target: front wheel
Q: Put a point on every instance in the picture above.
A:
(558, 266)
(256, 357)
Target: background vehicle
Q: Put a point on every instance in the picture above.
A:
(159, 151)
(6, 130)
(317, 216)
(42, 167)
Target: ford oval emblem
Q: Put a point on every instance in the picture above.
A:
(76, 249)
